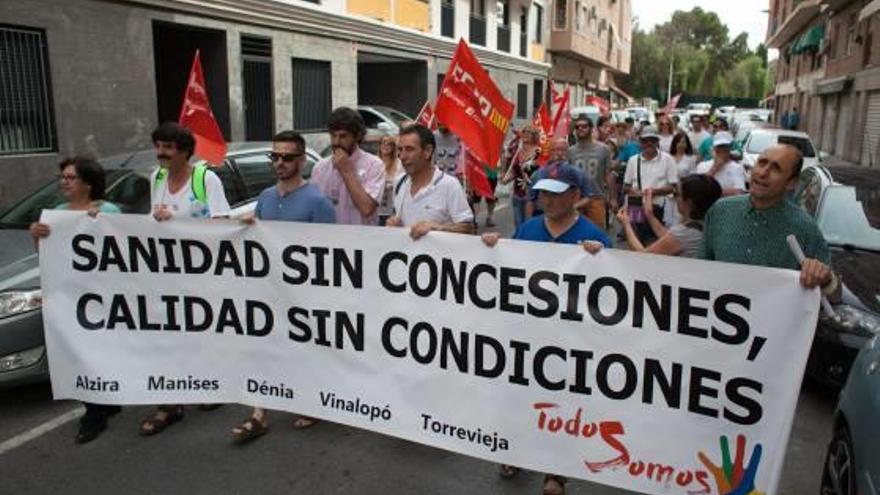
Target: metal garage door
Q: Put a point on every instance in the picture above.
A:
(871, 141)
(843, 124)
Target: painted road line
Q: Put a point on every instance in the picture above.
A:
(40, 430)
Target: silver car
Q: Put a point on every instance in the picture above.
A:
(245, 173)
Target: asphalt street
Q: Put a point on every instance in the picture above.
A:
(197, 455)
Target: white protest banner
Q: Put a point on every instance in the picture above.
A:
(649, 373)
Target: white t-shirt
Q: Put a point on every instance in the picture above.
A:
(659, 172)
(731, 176)
(687, 165)
(697, 138)
(442, 201)
(184, 202)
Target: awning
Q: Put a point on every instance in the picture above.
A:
(833, 85)
(620, 92)
(869, 10)
(811, 40)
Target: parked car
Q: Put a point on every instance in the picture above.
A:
(641, 114)
(385, 120)
(761, 139)
(846, 205)
(725, 112)
(246, 172)
(852, 463)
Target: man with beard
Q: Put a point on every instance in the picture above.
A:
(594, 160)
(352, 179)
(180, 189)
(292, 199)
(427, 199)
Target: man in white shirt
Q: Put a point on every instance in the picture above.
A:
(730, 174)
(179, 188)
(426, 199)
(651, 170)
(698, 134)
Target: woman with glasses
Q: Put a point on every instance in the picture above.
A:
(393, 170)
(666, 130)
(83, 185)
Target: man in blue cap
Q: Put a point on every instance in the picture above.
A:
(558, 193)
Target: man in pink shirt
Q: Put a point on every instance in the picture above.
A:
(351, 178)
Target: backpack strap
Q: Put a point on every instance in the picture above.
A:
(200, 191)
(198, 182)
(400, 183)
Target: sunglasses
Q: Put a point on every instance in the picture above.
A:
(285, 157)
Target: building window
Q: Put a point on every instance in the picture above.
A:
(539, 23)
(447, 18)
(27, 124)
(578, 16)
(537, 93)
(478, 22)
(561, 14)
(312, 91)
(523, 31)
(851, 33)
(522, 101)
(503, 25)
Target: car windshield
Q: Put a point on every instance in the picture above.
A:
(851, 216)
(759, 142)
(397, 117)
(127, 189)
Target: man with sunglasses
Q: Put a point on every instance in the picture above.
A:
(292, 199)
(594, 160)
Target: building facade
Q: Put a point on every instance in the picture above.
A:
(96, 76)
(829, 70)
(590, 43)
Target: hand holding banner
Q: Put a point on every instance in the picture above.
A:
(473, 108)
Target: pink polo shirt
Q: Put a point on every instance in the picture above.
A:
(371, 173)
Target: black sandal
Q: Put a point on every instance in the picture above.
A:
(248, 430)
(154, 424)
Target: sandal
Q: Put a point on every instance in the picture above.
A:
(507, 471)
(303, 422)
(156, 424)
(249, 429)
(553, 485)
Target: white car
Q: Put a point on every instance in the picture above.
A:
(386, 120)
(759, 140)
(591, 111)
(641, 114)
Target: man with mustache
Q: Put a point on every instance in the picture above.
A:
(180, 189)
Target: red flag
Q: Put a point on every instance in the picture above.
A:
(562, 118)
(473, 108)
(426, 116)
(196, 115)
(673, 102)
(475, 175)
(541, 122)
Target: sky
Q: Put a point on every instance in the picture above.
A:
(738, 15)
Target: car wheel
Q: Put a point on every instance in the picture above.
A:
(839, 475)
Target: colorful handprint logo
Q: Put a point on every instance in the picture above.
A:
(731, 478)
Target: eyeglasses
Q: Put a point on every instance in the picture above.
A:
(285, 157)
(67, 177)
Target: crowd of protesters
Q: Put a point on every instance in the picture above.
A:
(673, 191)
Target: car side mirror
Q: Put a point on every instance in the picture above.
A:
(824, 155)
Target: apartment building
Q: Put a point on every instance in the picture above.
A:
(829, 69)
(96, 76)
(590, 43)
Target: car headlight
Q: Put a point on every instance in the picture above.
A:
(15, 302)
(854, 320)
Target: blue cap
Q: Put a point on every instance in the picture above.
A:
(560, 178)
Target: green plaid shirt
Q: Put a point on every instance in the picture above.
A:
(737, 232)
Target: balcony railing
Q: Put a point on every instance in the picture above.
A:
(503, 38)
(447, 20)
(478, 30)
